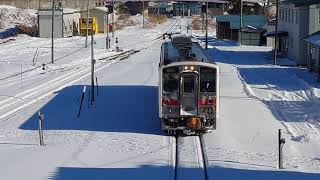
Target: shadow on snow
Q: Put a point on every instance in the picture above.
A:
(276, 78)
(235, 174)
(217, 42)
(117, 109)
(167, 172)
(240, 57)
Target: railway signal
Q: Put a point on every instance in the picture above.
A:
(109, 11)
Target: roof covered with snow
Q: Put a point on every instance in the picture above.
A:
(103, 9)
(298, 3)
(256, 21)
(314, 39)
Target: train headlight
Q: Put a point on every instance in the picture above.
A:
(192, 68)
(193, 123)
(186, 68)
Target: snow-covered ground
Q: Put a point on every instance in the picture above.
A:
(122, 140)
(119, 137)
(257, 99)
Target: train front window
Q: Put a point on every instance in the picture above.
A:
(171, 80)
(188, 85)
(207, 80)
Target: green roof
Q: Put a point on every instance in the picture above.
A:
(257, 21)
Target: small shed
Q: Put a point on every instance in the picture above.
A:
(66, 22)
(228, 26)
(100, 13)
(252, 36)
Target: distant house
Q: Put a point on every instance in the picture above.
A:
(215, 7)
(252, 7)
(100, 13)
(186, 8)
(66, 22)
(161, 8)
(135, 7)
(297, 19)
(228, 27)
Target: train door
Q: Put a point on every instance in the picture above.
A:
(189, 94)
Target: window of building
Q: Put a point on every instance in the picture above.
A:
(289, 15)
(297, 17)
(286, 15)
(292, 16)
(279, 15)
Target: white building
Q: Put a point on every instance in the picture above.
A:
(66, 23)
(297, 19)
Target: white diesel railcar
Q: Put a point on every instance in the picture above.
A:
(188, 88)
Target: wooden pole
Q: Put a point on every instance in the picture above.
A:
(52, 31)
(241, 22)
(207, 25)
(113, 24)
(143, 14)
(92, 65)
(87, 25)
(276, 35)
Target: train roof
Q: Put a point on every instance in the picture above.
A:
(182, 48)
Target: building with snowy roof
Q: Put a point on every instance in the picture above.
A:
(297, 19)
(228, 27)
(100, 13)
(66, 22)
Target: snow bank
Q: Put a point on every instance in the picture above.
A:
(13, 19)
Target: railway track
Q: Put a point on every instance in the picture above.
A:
(190, 160)
(12, 105)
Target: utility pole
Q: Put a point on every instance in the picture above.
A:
(113, 24)
(276, 36)
(52, 31)
(87, 25)
(107, 40)
(158, 7)
(143, 14)
(207, 25)
(241, 18)
(92, 67)
(182, 9)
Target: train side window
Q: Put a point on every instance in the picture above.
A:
(207, 80)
